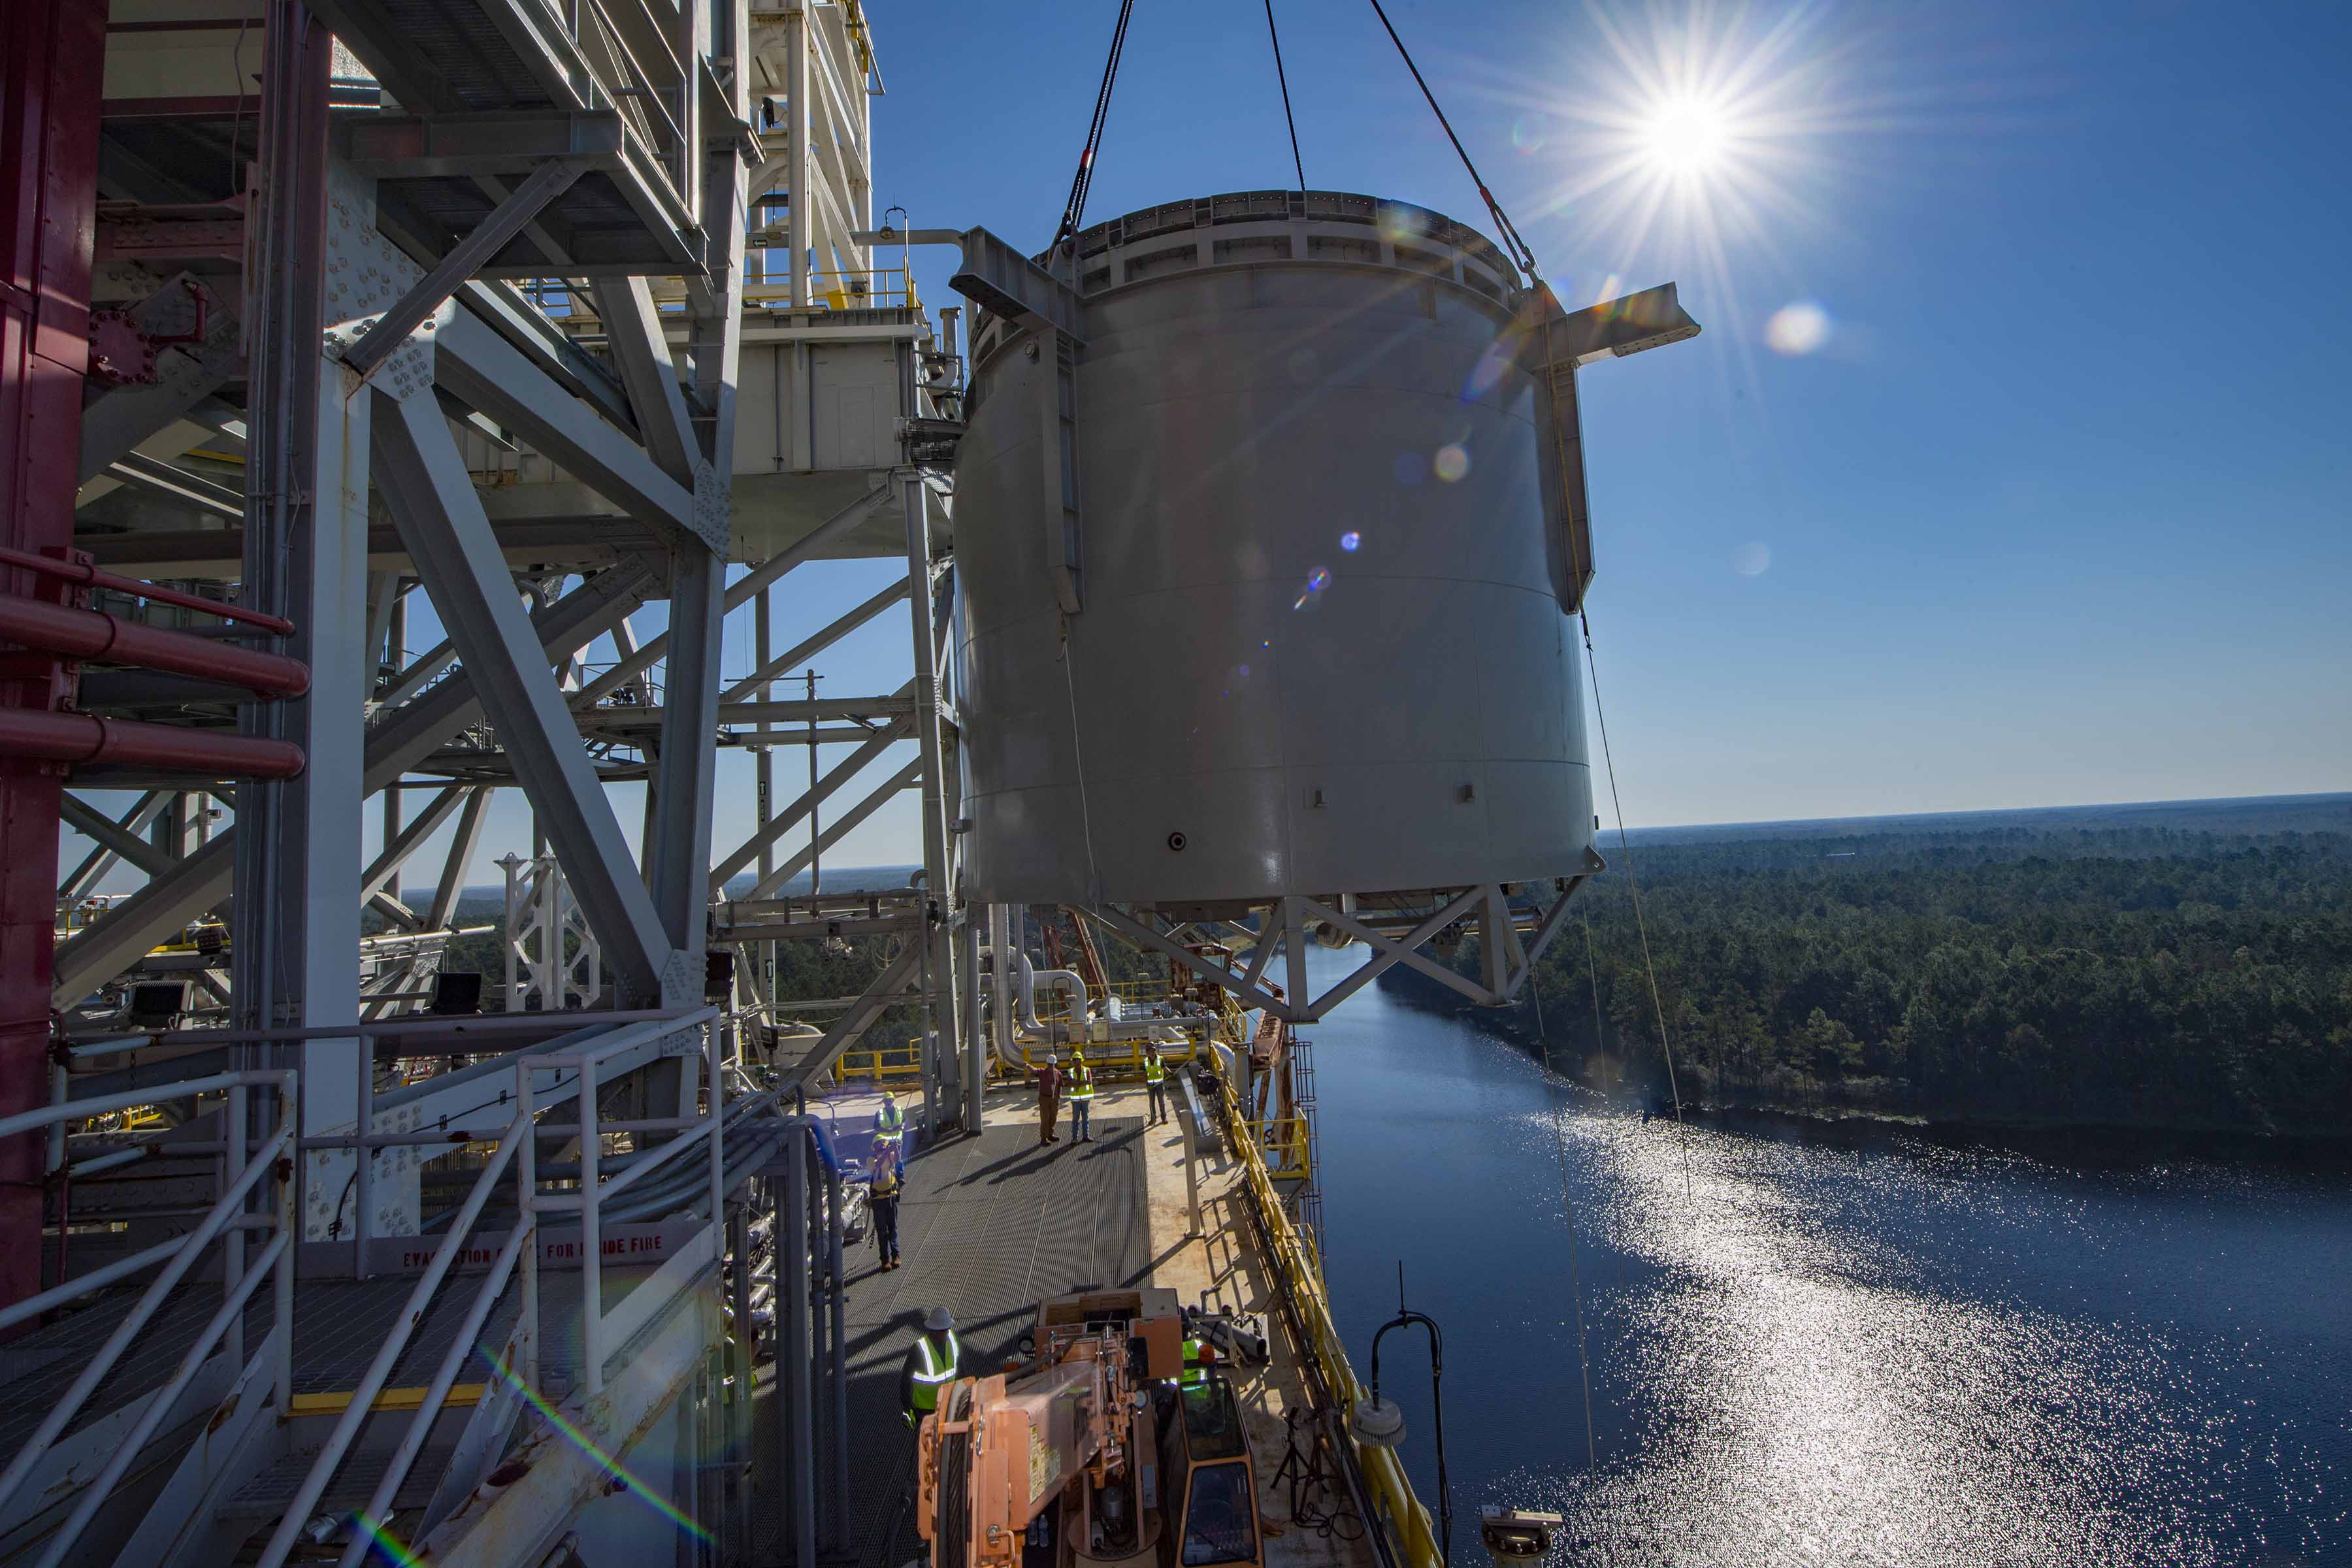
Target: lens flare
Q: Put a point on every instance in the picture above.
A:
(1409, 469)
(1694, 134)
(1529, 132)
(1798, 329)
(382, 1546)
(1686, 135)
(1350, 540)
(642, 1490)
(1317, 581)
(1752, 559)
(1452, 461)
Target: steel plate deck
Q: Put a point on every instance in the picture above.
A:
(989, 1226)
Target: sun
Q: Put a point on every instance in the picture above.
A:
(1686, 135)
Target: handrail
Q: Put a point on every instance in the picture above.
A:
(378, 1372)
(127, 1447)
(230, 1219)
(181, 1256)
(1292, 1255)
(412, 1442)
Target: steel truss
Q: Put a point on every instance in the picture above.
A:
(528, 256)
(1513, 927)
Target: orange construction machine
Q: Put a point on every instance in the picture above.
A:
(1080, 1453)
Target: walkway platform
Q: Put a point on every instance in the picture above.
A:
(992, 1225)
(989, 1226)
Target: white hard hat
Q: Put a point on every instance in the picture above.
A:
(939, 1319)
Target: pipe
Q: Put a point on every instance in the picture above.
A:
(91, 577)
(168, 748)
(95, 634)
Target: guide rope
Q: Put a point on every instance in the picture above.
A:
(1634, 882)
(1295, 161)
(1074, 213)
(1520, 254)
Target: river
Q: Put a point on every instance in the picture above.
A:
(1832, 1344)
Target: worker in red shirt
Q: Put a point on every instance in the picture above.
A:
(1049, 1098)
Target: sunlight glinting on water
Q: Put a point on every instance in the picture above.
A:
(1807, 1394)
(1861, 1347)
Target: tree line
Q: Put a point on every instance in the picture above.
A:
(2148, 977)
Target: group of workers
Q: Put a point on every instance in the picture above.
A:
(1076, 1082)
(931, 1361)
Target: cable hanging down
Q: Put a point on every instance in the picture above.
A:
(1634, 884)
(1520, 254)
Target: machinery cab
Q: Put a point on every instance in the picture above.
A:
(1208, 1488)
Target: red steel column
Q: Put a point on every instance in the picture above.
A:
(52, 60)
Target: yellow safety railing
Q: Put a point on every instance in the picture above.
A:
(1290, 1252)
(873, 288)
(1116, 1059)
(882, 1064)
(1282, 1144)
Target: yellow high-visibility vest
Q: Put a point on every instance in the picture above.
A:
(932, 1371)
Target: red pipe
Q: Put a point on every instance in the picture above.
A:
(94, 634)
(91, 577)
(167, 748)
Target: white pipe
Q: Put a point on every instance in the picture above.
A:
(1024, 997)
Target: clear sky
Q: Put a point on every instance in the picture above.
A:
(2012, 468)
(2058, 505)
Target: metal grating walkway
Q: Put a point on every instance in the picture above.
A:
(988, 1227)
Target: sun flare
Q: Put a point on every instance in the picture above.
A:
(1686, 135)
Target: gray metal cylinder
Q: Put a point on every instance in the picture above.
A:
(1319, 649)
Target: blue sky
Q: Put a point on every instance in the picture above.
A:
(2061, 510)
(2056, 505)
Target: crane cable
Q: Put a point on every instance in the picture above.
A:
(1074, 213)
(1520, 254)
(1297, 163)
(1634, 883)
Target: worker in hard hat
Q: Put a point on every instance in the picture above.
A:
(889, 1125)
(882, 1189)
(1082, 1099)
(930, 1365)
(1155, 1079)
(1049, 1098)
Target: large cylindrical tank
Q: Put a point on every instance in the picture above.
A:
(1319, 649)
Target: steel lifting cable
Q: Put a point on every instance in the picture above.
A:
(1283, 82)
(1634, 883)
(1074, 213)
(1520, 254)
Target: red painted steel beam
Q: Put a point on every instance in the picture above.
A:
(52, 80)
(74, 738)
(95, 634)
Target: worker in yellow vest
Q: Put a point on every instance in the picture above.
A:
(889, 1126)
(1155, 1079)
(1082, 1099)
(930, 1365)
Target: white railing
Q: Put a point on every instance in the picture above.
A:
(229, 1221)
(538, 1083)
(516, 1142)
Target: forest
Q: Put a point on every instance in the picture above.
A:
(2131, 977)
